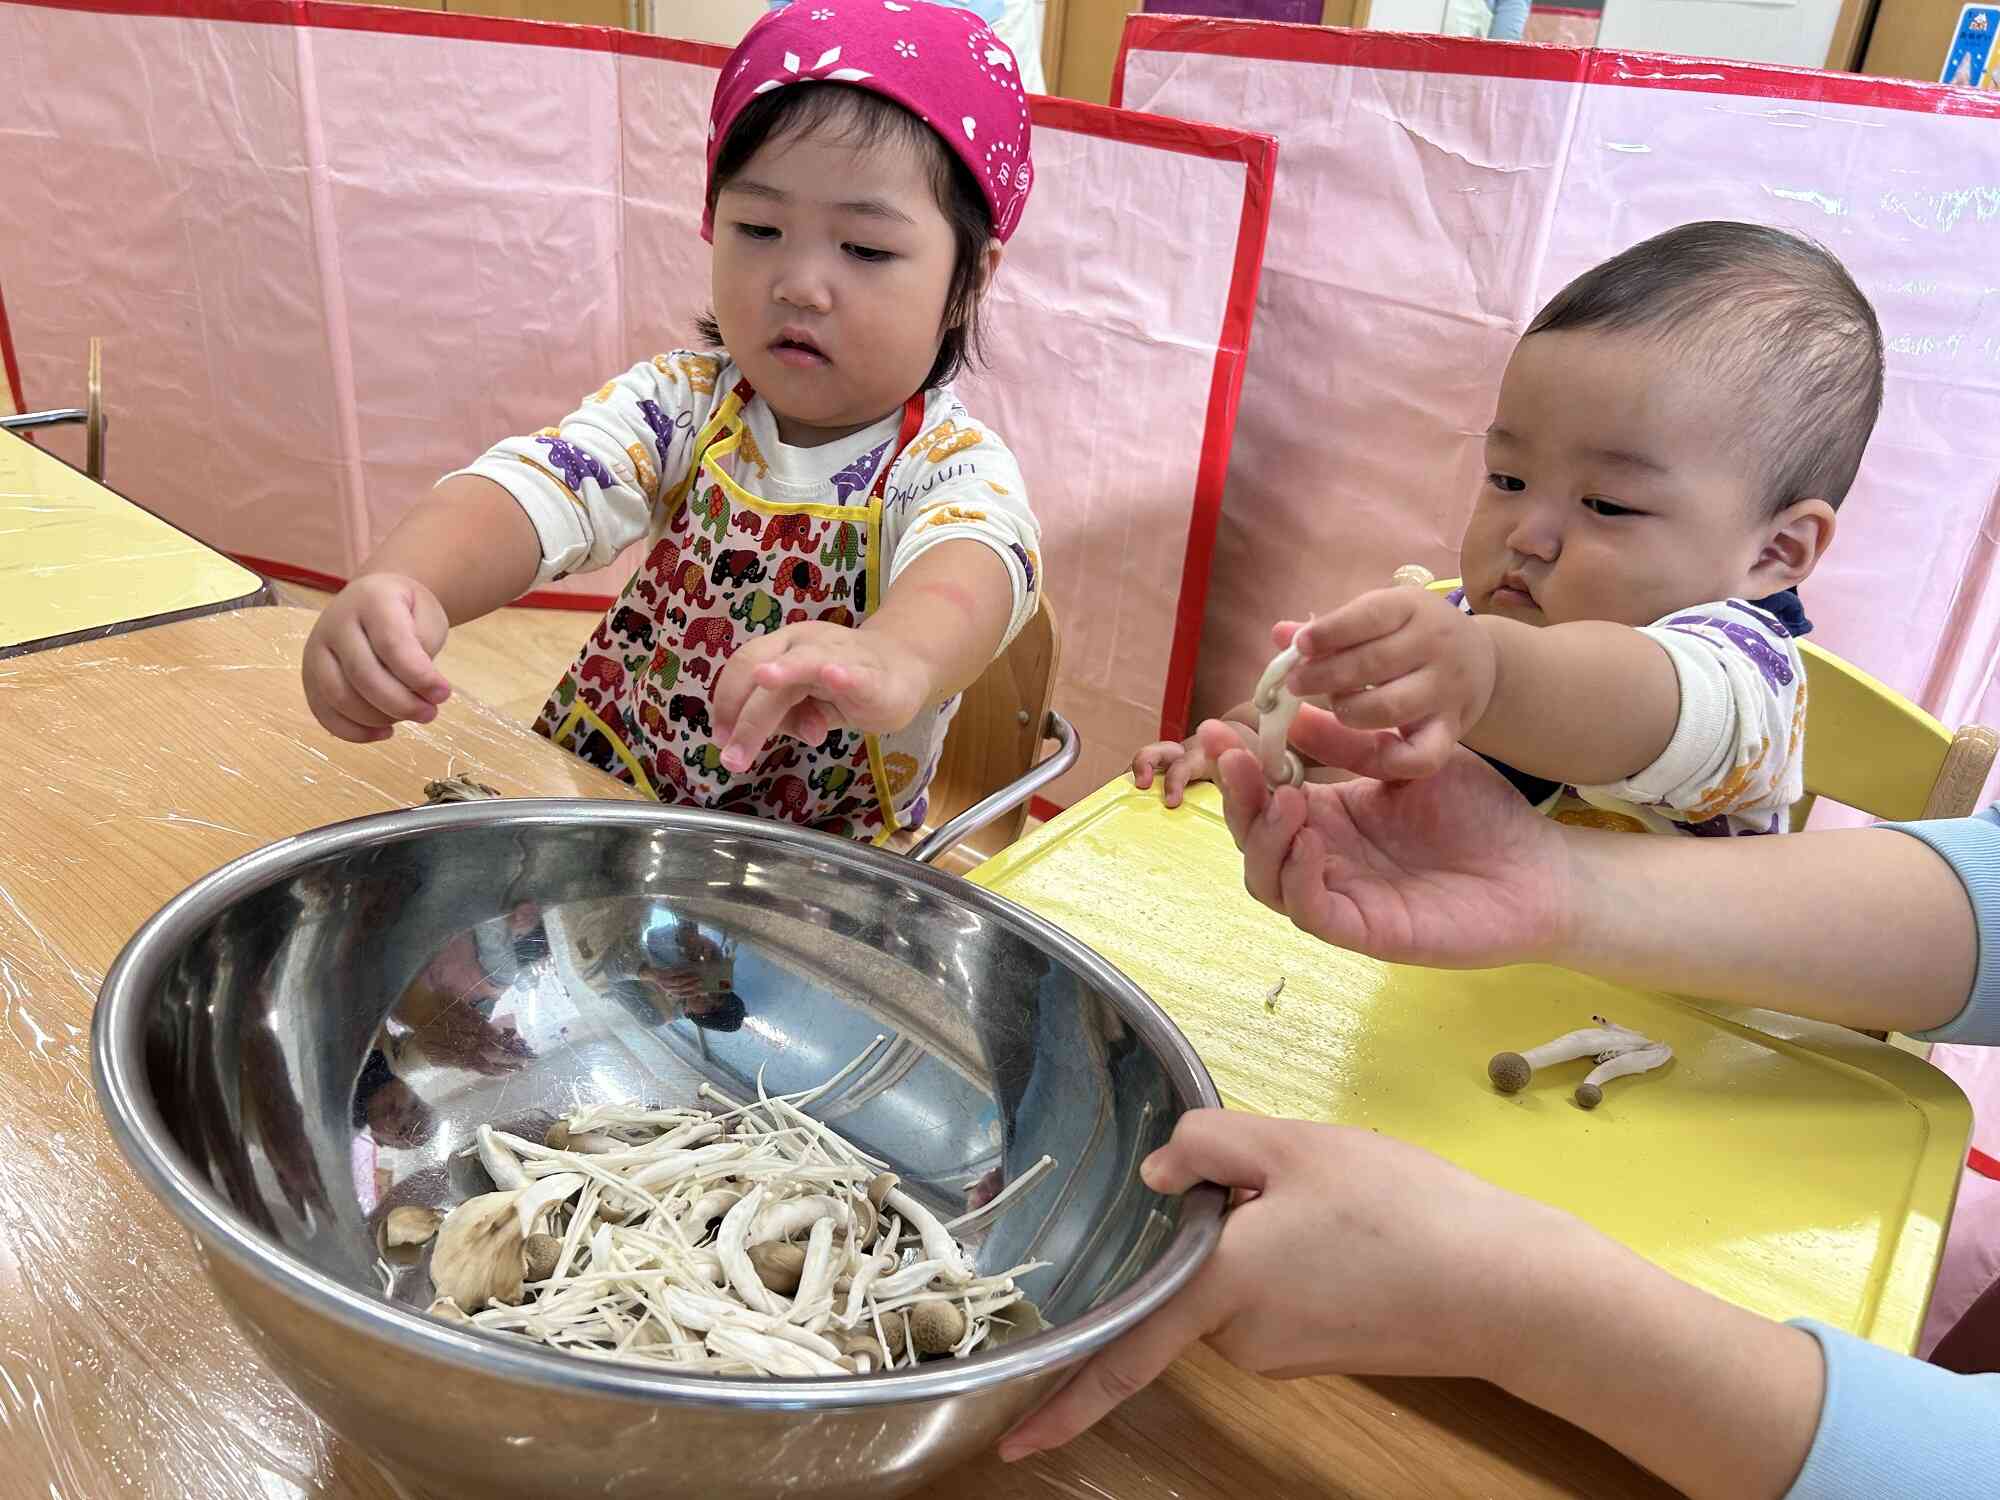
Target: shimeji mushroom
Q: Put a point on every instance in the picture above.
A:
(410, 1225)
(743, 1239)
(1277, 706)
(1618, 1051)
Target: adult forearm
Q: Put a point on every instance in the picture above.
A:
(470, 543)
(1715, 1400)
(1866, 928)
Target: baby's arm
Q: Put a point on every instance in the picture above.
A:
(1587, 703)
(1700, 714)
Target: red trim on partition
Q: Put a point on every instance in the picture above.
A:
(1044, 810)
(329, 15)
(1466, 56)
(1225, 391)
(1978, 1161)
(8, 363)
(329, 583)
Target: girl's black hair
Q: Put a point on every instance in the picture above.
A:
(860, 118)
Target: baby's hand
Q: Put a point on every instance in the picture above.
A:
(1402, 660)
(1183, 763)
(369, 662)
(806, 680)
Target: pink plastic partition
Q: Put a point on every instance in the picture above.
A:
(1435, 192)
(335, 251)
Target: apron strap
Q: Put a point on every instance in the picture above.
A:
(913, 423)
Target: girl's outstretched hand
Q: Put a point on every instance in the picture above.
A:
(1455, 870)
(370, 662)
(806, 680)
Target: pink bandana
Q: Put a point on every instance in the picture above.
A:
(940, 62)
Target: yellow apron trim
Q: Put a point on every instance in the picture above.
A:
(741, 496)
(581, 711)
(724, 414)
(885, 797)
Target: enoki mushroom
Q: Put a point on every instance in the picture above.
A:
(739, 1240)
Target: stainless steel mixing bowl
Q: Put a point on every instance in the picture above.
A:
(308, 1038)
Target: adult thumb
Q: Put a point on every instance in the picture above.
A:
(1222, 1146)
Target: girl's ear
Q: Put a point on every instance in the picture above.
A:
(989, 263)
(1797, 541)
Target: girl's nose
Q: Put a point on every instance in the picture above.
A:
(802, 285)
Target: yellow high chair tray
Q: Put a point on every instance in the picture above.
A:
(1799, 1170)
(80, 561)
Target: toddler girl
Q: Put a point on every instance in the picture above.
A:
(835, 547)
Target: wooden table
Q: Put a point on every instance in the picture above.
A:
(139, 763)
(78, 562)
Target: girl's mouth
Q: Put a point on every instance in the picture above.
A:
(798, 351)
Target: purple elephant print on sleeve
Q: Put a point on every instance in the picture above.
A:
(663, 431)
(575, 464)
(1771, 662)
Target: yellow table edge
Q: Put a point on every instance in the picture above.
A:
(1903, 1288)
(34, 619)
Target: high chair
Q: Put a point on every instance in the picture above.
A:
(990, 752)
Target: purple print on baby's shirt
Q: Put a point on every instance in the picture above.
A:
(1770, 662)
(855, 478)
(576, 465)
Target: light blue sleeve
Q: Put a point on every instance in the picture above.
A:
(1971, 846)
(1893, 1425)
(1510, 20)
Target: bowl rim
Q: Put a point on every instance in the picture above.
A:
(118, 1072)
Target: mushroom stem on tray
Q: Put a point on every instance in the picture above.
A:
(1618, 1051)
(749, 1240)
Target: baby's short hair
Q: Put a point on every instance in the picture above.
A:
(1768, 311)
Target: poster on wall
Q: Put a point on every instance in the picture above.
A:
(1969, 63)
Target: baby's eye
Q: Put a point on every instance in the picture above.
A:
(1603, 507)
(1506, 483)
(757, 231)
(868, 253)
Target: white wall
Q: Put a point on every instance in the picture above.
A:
(1795, 32)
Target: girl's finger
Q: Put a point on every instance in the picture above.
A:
(763, 711)
(394, 641)
(373, 682)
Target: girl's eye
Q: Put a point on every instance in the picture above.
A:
(1600, 506)
(757, 231)
(1506, 483)
(868, 254)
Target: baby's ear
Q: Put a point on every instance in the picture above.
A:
(1798, 539)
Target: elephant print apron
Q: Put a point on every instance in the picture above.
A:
(725, 566)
